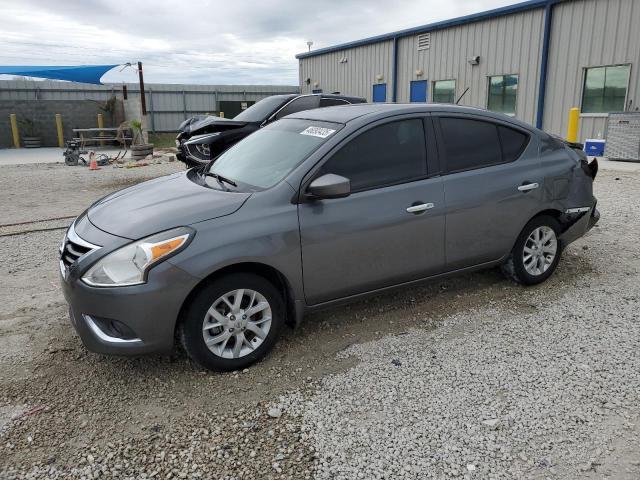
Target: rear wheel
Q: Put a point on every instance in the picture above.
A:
(232, 322)
(536, 253)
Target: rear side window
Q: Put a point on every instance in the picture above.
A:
(470, 143)
(513, 143)
(332, 102)
(307, 102)
(385, 155)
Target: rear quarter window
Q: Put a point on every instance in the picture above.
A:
(513, 143)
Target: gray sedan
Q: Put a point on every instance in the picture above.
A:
(324, 206)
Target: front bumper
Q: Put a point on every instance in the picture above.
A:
(129, 320)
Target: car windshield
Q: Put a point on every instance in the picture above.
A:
(267, 156)
(261, 110)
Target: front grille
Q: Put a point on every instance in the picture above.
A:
(72, 252)
(72, 249)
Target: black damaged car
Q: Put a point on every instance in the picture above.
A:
(201, 140)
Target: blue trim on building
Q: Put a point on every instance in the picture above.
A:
(394, 74)
(475, 17)
(544, 62)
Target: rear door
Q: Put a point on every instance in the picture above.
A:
(492, 186)
(390, 229)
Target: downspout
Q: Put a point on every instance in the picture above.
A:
(546, 40)
(394, 73)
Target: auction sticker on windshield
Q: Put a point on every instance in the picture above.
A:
(320, 132)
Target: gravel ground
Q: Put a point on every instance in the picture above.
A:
(472, 377)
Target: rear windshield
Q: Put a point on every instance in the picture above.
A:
(263, 109)
(267, 156)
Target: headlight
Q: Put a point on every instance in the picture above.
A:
(129, 265)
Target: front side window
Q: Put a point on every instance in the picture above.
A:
(385, 155)
(267, 156)
(605, 89)
(307, 102)
(444, 91)
(503, 93)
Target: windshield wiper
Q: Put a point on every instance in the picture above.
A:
(220, 178)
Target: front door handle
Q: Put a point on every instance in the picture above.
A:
(528, 186)
(419, 208)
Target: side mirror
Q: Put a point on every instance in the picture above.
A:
(329, 186)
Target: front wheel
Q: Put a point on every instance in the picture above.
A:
(536, 253)
(232, 322)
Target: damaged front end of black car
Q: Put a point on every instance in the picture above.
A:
(205, 139)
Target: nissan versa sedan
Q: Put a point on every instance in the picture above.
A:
(321, 207)
(201, 140)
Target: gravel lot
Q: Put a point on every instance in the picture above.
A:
(472, 377)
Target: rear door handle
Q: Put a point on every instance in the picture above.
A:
(420, 207)
(528, 186)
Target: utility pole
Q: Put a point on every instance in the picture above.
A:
(143, 100)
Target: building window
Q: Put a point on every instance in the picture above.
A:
(605, 89)
(444, 91)
(503, 93)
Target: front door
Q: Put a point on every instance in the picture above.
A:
(389, 230)
(492, 187)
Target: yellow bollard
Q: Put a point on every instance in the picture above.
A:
(59, 129)
(221, 114)
(100, 125)
(574, 120)
(14, 130)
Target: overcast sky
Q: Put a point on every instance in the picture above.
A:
(201, 41)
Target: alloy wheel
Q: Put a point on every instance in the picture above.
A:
(237, 323)
(540, 250)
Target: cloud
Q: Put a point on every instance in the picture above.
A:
(203, 41)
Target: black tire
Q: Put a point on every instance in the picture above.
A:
(191, 322)
(142, 147)
(514, 266)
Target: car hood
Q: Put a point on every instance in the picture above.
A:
(161, 204)
(213, 124)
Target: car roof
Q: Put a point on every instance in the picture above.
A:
(349, 98)
(348, 113)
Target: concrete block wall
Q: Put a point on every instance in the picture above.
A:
(75, 114)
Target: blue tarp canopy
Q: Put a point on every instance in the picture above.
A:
(79, 73)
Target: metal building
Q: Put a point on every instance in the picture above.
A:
(534, 60)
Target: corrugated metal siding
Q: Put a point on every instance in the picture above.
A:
(589, 33)
(506, 45)
(167, 104)
(355, 77)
